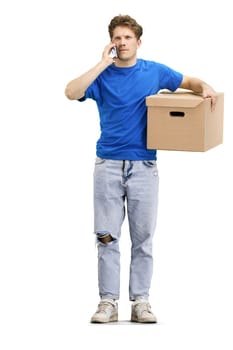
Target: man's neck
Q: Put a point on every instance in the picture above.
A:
(125, 63)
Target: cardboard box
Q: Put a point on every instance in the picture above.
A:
(183, 121)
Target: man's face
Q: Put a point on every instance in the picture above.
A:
(126, 43)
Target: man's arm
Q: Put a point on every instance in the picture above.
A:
(199, 86)
(76, 88)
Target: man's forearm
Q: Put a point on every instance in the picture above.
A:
(199, 86)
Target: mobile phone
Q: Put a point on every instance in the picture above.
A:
(113, 52)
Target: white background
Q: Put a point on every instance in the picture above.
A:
(47, 149)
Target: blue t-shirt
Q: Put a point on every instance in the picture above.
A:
(120, 94)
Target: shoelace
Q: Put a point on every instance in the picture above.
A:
(104, 307)
(143, 307)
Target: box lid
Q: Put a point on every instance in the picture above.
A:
(177, 99)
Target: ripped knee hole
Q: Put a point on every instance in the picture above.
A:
(105, 239)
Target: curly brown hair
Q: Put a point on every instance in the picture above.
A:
(125, 21)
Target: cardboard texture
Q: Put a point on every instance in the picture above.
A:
(183, 121)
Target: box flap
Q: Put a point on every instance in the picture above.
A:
(174, 99)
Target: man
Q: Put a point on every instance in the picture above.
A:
(125, 170)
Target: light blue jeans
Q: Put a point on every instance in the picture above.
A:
(121, 185)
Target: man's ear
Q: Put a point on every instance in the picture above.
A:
(139, 42)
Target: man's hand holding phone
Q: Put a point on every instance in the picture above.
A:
(110, 53)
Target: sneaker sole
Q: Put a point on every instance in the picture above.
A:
(134, 319)
(112, 319)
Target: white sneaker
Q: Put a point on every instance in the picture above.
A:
(107, 312)
(141, 312)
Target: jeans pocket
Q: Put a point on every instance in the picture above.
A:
(99, 160)
(150, 163)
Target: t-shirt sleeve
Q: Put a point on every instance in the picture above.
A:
(92, 92)
(169, 78)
